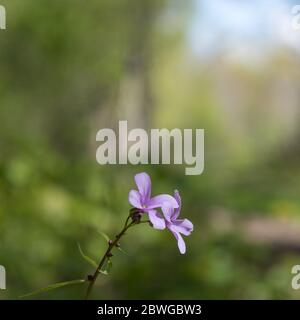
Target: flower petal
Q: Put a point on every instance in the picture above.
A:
(183, 226)
(157, 220)
(143, 183)
(178, 199)
(168, 211)
(180, 241)
(135, 199)
(158, 201)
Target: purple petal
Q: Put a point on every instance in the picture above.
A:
(178, 199)
(180, 241)
(183, 226)
(143, 183)
(157, 220)
(168, 211)
(158, 201)
(135, 199)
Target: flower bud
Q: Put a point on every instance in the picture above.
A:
(136, 217)
(134, 211)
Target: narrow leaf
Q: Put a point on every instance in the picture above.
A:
(87, 258)
(54, 286)
(104, 235)
(120, 249)
(107, 267)
(103, 272)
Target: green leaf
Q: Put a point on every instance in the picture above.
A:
(120, 249)
(87, 258)
(53, 286)
(103, 272)
(104, 235)
(107, 268)
(109, 265)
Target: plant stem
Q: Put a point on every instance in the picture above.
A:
(107, 255)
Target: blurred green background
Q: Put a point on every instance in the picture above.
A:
(69, 68)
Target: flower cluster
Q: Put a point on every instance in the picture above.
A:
(170, 206)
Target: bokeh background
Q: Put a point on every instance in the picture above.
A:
(69, 68)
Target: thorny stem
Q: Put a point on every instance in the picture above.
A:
(107, 255)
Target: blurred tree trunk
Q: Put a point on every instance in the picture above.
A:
(133, 101)
(135, 98)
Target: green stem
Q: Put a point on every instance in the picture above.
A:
(108, 254)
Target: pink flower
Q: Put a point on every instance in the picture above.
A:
(142, 200)
(170, 220)
(169, 205)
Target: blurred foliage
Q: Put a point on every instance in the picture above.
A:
(63, 61)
